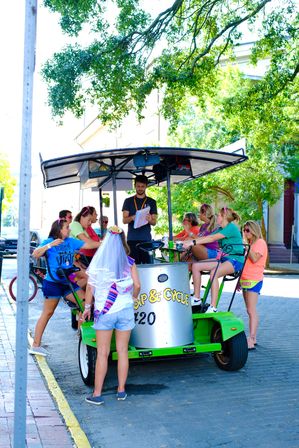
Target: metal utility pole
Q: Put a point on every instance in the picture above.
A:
(23, 235)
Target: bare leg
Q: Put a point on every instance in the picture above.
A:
(223, 269)
(79, 292)
(103, 349)
(122, 342)
(196, 273)
(71, 298)
(251, 299)
(48, 311)
(200, 252)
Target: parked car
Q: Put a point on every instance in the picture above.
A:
(2, 244)
(36, 237)
(10, 236)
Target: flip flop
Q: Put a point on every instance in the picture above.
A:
(251, 348)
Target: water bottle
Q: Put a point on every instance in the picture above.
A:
(171, 253)
(165, 241)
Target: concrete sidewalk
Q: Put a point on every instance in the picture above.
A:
(45, 425)
(282, 268)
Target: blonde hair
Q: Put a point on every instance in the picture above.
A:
(255, 230)
(229, 214)
(210, 215)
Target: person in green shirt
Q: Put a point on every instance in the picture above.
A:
(231, 245)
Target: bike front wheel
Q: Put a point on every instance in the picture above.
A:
(13, 288)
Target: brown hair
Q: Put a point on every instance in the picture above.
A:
(85, 211)
(125, 244)
(63, 213)
(255, 230)
(141, 178)
(192, 218)
(229, 214)
(56, 228)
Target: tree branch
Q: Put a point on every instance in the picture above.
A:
(229, 25)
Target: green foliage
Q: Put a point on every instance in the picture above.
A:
(272, 147)
(177, 51)
(6, 181)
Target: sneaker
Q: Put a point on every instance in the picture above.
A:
(211, 309)
(95, 400)
(121, 396)
(38, 351)
(195, 301)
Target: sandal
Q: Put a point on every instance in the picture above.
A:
(250, 343)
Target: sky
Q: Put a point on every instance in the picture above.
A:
(48, 139)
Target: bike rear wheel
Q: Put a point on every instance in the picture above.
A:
(13, 288)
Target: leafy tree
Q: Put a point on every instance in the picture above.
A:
(272, 147)
(6, 181)
(178, 51)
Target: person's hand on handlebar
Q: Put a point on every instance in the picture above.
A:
(86, 313)
(187, 244)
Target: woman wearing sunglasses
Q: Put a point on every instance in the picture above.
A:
(191, 227)
(102, 230)
(78, 229)
(252, 276)
(87, 227)
(208, 250)
(228, 235)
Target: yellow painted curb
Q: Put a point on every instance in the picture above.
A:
(72, 423)
(78, 435)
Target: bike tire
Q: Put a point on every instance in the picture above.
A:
(33, 288)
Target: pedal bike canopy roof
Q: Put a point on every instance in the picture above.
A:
(107, 169)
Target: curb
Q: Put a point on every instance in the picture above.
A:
(78, 435)
(71, 421)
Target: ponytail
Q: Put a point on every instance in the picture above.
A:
(230, 214)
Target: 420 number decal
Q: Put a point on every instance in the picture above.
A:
(143, 318)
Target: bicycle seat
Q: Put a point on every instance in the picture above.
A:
(65, 272)
(149, 246)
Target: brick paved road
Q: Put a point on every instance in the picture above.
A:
(190, 402)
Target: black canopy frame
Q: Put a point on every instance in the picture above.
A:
(115, 169)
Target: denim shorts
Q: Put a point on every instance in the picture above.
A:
(237, 265)
(212, 253)
(122, 320)
(53, 290)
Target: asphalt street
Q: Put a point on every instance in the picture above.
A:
(190, 402)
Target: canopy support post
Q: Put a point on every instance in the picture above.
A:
(114, 194)
(169, 205)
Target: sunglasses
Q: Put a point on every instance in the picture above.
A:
(105, 222)
(247, 230)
